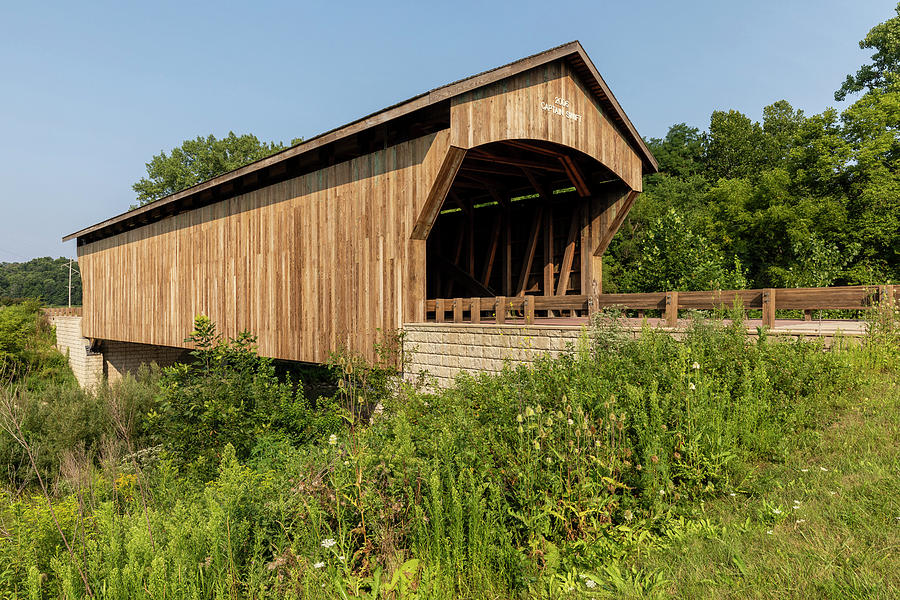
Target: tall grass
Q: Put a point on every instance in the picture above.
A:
(537, 482)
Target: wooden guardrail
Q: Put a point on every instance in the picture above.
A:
(500, 307)
(854, 297)
(70, 311)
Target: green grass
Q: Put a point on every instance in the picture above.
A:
(843, 540)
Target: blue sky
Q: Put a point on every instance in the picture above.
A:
(90, 91)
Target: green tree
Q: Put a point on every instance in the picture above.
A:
(199, 160)
(884, 38)
(45, 279)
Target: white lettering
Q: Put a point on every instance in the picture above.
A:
(559, 107)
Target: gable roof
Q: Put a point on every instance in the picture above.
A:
(572, 52)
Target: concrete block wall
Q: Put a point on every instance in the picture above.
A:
(87, 365)
(445, 349)
(126, 357)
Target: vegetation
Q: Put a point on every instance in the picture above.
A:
(198, 160)
(796, 200)
(45, 279)
(626, 467)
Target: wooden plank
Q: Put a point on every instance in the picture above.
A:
(529, 309)
(440, 309)
(500, 310)
(475, 310)
(457, 310)
(768, 307)
(671, 309)
(616, 223)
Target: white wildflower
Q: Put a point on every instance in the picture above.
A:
(696, 366)
(732, 494)
(328, 543)
(805, 470)
(769, 531)
(777, 511)
(346, 463)
(318, 565)
(342, 558)
(570, 422)
(823, 468)
(692, 386)
(799, 521)
(332, 439)
(590, 583)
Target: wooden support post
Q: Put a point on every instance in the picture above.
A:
(507, 286)
(807, 315)
(529, 310)
(457, 310)
(439, 310)
(500, 309)
(470, 238)
(529, 253)
(768, 307)
(549, 259)
(672, 309)
(568, 256)
(475, 309)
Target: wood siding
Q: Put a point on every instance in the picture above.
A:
(309, 265)
(511, 109)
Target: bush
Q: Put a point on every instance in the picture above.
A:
(229, 395)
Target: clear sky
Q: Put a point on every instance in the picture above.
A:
(90, 91)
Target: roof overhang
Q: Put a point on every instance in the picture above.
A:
(188, 198)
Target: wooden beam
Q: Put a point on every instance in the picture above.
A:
(672, 309)
(573, 172)
(569, 255)
(529, 252)
(475, 310)
(492, 251)
(438, 193)
(500, 309)
(464, 279)
(549, 258)
(616, 223)
(533, 148)
(514, 162)
(470, 237)
(506, 262)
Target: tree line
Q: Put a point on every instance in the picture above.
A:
(45, 279)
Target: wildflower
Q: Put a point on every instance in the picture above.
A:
(628, 515)
(692, 386)
(519, 418)
(777, 511)
(538, 409)
(537, 445)
(346, 463)
(549, 461)
(769, 531)
(520, 430)
(529, 412)
(318, 565)
(638, 467)
(597, 443)
(342, 558)
(800, 521)
(696, 366)
(654, 459)
(732, 494)
(590, 583)
(570, 422)
(823, 468)
(662, 492)
(677, 456)
(332, 439)
(805, 470)
(328, 543)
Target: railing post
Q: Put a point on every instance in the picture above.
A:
(439, 309)
(457, 310)
(807, 315)
(500, 309)
(475, 310)
(672, 309)
(886, 296)
(768, 307)
(529, 310)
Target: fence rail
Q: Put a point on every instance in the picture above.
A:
(71, 311)
(499, 309)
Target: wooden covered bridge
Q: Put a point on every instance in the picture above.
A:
(508, 184)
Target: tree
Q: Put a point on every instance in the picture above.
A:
(199, 160)
(44, 279)
(884, 38)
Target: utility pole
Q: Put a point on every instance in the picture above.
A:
(70, 283)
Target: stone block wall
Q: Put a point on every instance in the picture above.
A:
(126, 357)
(445, 349)
(87, 365)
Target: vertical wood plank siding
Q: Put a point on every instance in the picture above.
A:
(511, 109)
(309, 265)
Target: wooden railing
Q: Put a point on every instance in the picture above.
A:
(71, 311)
(500, 309)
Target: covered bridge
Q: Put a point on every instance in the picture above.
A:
(509, 184)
